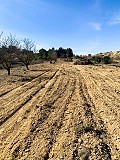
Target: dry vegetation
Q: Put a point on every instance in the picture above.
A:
(60, 112)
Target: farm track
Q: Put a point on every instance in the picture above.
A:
(58, 116)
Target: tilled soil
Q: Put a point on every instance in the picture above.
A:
(60, 112)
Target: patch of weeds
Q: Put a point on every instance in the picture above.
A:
(24, 79)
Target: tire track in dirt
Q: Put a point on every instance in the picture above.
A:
(32, 79)
(63, 145)
(85, 129)
(27, 91)
(72, 141)
(51, 97)
(102, 85)
(41, 91)
(39, 121)
(54, 123)
(47, 89)
(24, 86)
(90, 129)
(19, 106)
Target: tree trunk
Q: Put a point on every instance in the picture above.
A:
(7, 66)
(8, 71)
(27, 67)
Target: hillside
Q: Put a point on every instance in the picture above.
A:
(115, 55)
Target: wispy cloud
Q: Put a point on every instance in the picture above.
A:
(115, 19)
(95, 26)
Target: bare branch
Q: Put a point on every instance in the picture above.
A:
(28, 44)
(10, 41)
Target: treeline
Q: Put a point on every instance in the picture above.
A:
(60, 53)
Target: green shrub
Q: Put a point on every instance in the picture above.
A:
(106, 60)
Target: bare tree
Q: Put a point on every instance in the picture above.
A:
(26, 53)
(25, 57)
(28, 44)
(8, 51)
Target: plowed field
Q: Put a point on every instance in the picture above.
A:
(60, 112)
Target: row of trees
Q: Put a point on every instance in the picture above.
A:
(60, 53)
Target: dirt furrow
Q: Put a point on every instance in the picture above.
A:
(62, 115)
(28, 110)
(13, 87)
(22, 97)
(91, 130)
(106, 108)
(44, 111)
(50, 128)
(19, 105)
(22, 88)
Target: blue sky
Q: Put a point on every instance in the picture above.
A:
(86, 26)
